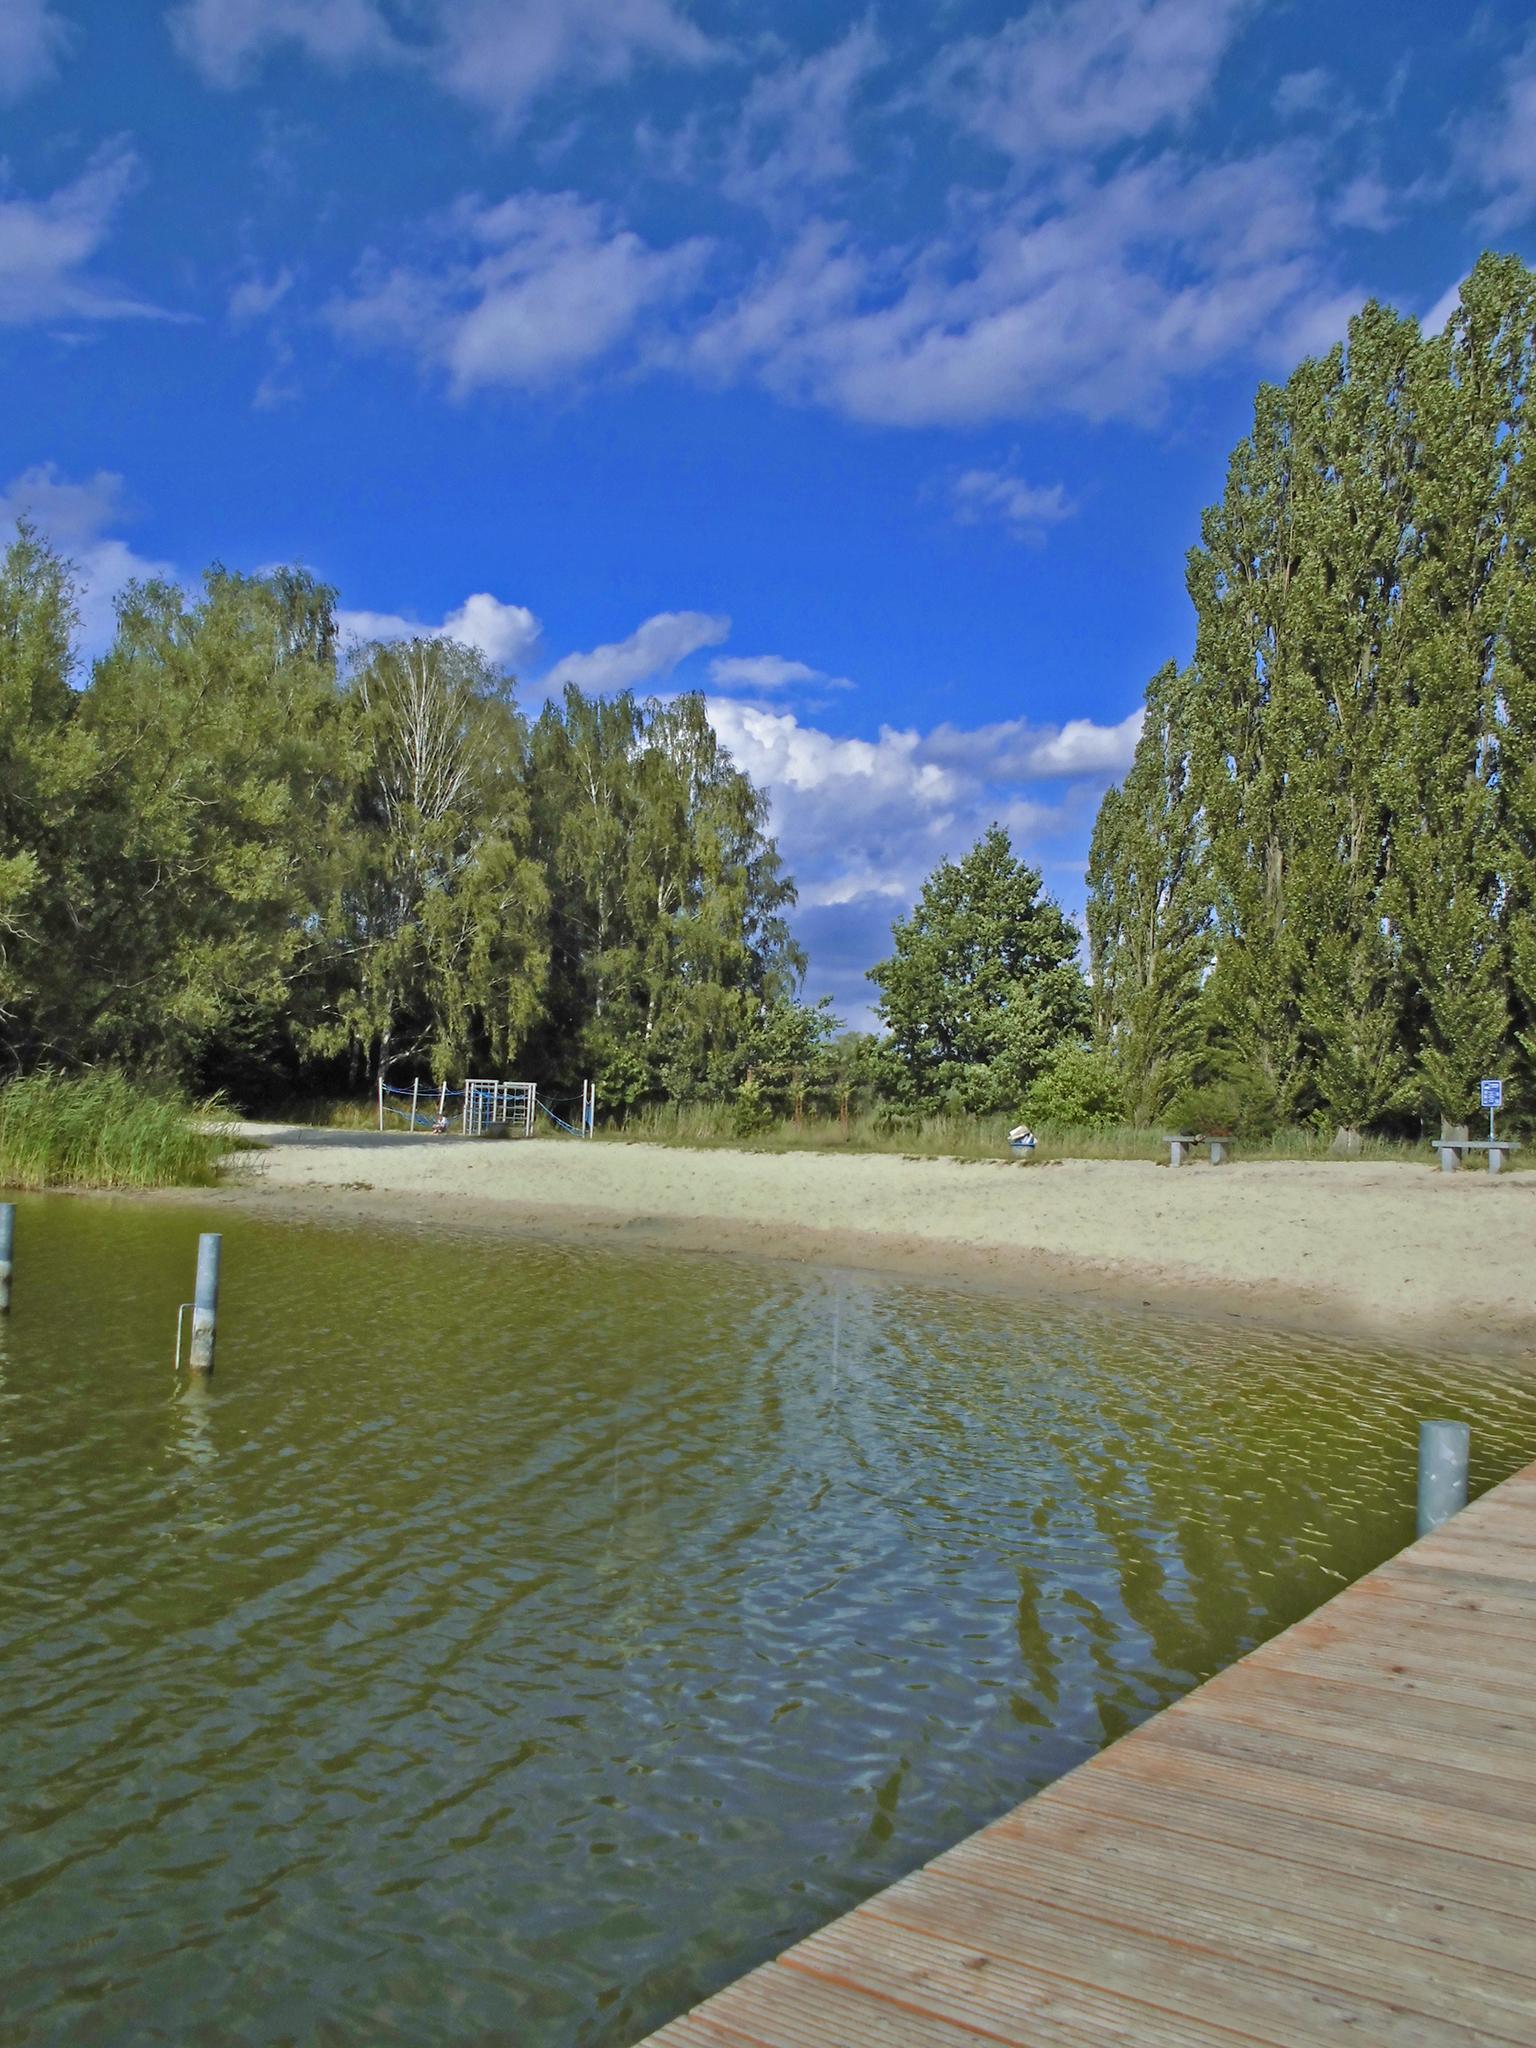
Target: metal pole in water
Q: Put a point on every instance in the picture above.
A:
(1443, 1453)
(205, 1301)
(7, 1252)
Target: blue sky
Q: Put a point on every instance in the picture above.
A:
(867, 367)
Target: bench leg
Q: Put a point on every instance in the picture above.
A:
(1176, 1154)
(1448, 1160)
(1495, 1161)
(1218, 1151)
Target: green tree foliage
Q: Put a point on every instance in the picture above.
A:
(47, 769)
(668, 938)
(1316, 883)
(227, 860)
(983, 985)
(1149, 910)
(442, 911)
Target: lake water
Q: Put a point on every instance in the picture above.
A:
(515, 1643)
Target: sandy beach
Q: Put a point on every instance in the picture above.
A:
(1394, 1249)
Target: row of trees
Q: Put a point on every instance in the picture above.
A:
(229, 857)
(1318, 881)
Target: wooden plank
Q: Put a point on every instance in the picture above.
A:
(1332, 1842)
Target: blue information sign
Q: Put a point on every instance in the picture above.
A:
(1492, 1094)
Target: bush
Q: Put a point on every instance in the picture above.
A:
(1241, 1105)
(751, 1112)
(1078, 1089)
(101, 1130)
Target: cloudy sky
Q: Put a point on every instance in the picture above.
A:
(864, 366)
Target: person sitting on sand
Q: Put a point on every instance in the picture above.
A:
(440, 1126)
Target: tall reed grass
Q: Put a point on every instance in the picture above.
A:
(101, 1130)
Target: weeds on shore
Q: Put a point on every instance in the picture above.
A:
(101, 1130)
(712, 1127)
(957, 1137)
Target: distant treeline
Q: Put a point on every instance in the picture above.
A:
(1317, 887)
(230, 859)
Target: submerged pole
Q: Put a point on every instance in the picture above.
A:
(7, 1251)
(205, 1301)
(1443, 1456)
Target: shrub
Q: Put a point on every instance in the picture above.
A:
(101, 1130)
(1242, 1105)
(1078, 1088)
(751, 1112)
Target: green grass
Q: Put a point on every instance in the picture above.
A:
(706, 1126)
(101, 1130)
(961, 1137)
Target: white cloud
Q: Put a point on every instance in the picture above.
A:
(762, 672)
(1013, 750)
(1434, 320)
(1026, 509)
(649, 654)
(1498, 148)
(256, 297)
(1084, 75)
(75, 518)
(1092, 299)
(1366, 202)
(499, 55)
(227, 39)
(47, 244)
(505, 634)
(1300, 93)
(33, 38)
(859, 817)
(862, 822)
(544, 285)
(792, 130)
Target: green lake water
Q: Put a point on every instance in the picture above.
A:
(514, 1643)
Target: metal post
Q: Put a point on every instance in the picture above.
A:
(381, 1098)
(7, 1252)
(1443, 1453)
(415, 1091)
(205, 1300)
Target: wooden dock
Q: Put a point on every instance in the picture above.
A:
(1334, 1841)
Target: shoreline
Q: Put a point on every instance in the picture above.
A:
(1356, 1251)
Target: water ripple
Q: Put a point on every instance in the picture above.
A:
(516, 1642)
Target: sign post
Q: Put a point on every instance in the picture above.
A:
(1491, 1095)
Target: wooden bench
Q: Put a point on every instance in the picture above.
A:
(1451, 1149)
(1177, 1147)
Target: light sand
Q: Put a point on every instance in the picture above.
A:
(1398, 1249)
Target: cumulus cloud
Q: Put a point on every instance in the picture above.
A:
(33, 38)
(505, 634)
(76, 518)
(1093, 299)
(860, 817)
(1026, 509)
(534, 288)
(498, 55)
(1084, 75)
(47, 246)
(1497, 150)
(650, 653)
(762, 672)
